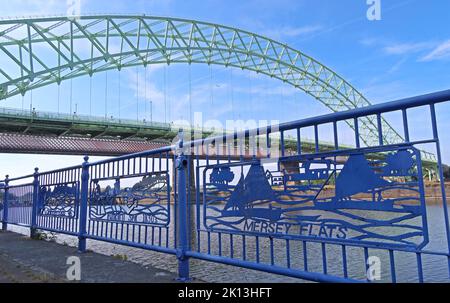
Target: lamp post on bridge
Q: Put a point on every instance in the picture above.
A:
(151, 111)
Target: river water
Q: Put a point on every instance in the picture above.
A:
(435, 267)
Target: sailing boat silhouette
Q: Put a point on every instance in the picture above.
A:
(251, 191)
(357, 177)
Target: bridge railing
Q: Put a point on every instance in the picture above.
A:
(132, 201)
(318, 193)
(57, 206)
(253, 200)
(75, 117)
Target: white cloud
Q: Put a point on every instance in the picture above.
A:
(368, 41)
(396, 66)
(292, 32)
(407, 48)
(428, 50)
(146, 89)
(442, 51)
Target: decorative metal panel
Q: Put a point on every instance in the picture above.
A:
(371, 196)
(61, 200)
(138, 199)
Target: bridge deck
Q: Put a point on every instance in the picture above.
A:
(43, 132)
(61, 134)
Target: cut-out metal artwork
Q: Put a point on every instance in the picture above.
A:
(221, 177)
(371, 196)
(250, 189)
(146, 202)
(60, 200)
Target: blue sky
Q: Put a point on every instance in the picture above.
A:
(404, 54)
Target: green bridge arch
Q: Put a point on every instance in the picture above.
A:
(92, 44)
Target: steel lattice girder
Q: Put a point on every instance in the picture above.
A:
(42, 51)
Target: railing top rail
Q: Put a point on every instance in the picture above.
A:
(407, 103)
(137, 155)
(61, 170)
(17, 178)
(125, 157)
(42, 173)
(391, 106)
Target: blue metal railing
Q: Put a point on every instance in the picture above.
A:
(319, 221)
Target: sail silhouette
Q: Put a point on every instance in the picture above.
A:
(255, 187)
(357, 177)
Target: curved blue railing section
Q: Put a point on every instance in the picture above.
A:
(257, 200)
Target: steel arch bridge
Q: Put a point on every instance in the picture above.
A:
(41, 51)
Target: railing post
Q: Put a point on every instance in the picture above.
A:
(183, 228)
(34, 209)
(83, 205)
(5, 205)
